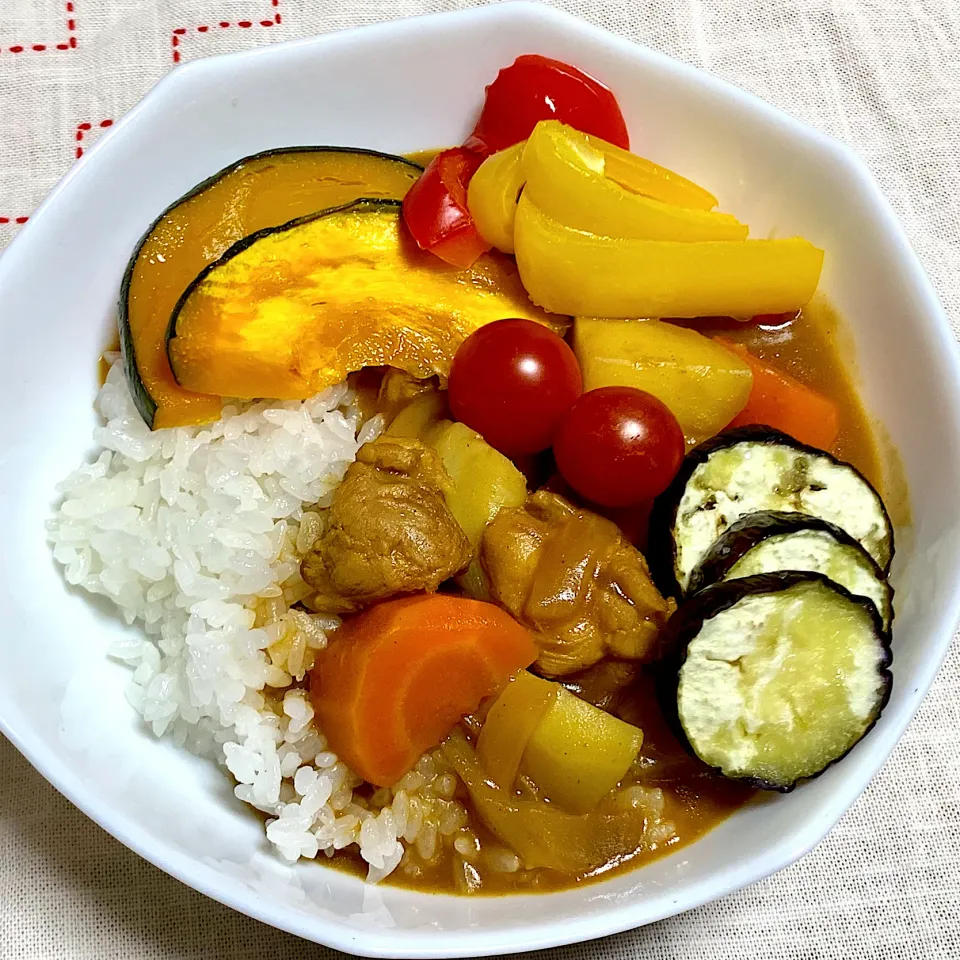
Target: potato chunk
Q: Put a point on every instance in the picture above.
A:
(578, 753)
(704, 384)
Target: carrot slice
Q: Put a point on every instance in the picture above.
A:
(780, 401)
(396, 679)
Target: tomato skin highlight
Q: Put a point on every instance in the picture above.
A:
(617, 446)
(435, 208)
(535, 88)
(512, 381)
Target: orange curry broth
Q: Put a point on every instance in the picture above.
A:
(814, 349)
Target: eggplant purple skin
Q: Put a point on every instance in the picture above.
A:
(662, 549)
(748, 531)
(685, 624)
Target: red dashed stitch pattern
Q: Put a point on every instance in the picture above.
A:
(69, 44)
(84, 128)
(180, 32)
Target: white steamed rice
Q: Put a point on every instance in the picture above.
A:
(195, 533)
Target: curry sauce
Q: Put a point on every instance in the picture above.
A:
(813, 348)
(696, 800)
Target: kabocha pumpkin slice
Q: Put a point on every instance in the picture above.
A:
(292, 310)
(264, 190)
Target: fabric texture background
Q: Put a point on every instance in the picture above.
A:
(884, 76)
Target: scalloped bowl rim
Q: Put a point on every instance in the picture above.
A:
(622, 913)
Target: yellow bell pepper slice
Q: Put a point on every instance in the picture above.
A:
(495, 187)
(648, 178)
(566, 179)
(578, 273)
(493, 193)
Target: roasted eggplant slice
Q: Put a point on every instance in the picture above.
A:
(770, 542)
(781, 675)
(753, 469)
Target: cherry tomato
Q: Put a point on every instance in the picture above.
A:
(435, 208)
(512, 381)
(619, 445)
(536, 88)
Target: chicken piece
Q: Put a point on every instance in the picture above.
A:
(398, 389)
(389, 530)
(572, 577)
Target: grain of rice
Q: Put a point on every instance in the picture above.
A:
(325, 759)
(414, 819)
(426, 841)
(467, 844)
(401, 809)
(660, 833)
(501, 860)
(446, 785)
(452, 818)
(466, 876)
(411, 781)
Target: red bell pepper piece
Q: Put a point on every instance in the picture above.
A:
(435, 208)
(531, 89)
(535, 88)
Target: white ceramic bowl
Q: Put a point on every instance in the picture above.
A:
(401, 87)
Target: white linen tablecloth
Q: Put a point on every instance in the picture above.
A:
(883, 75)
